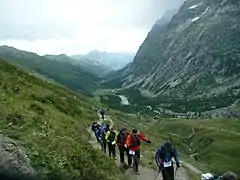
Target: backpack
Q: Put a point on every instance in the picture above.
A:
(112, 136)
(103, 131)
(167, 152)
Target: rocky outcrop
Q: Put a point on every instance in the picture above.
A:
(13, 159)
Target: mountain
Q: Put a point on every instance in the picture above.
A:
(191, 63)
(43, 130)
(62, 71)
(87, 65)
(115, 60)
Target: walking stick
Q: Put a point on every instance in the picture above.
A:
(157, 175)
(175, 171)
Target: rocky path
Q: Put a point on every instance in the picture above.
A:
(145, 173)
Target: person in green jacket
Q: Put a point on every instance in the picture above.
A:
(111, 138)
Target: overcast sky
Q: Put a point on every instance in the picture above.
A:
(78, 26)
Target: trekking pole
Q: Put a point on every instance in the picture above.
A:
(175, 172)
(157, 175)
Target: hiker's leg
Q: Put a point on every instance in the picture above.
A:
(138, 156)
(136, 160)
(121, 152)
(109, 149)
(164, 176)
(171, 172)
(104, 145)
(128, 156)
(95, 133)
(101, 143)
(114, 150)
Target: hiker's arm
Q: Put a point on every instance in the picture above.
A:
(176, 157)
(128, 141)
(157, 157)
(144, 138)
(107, 135)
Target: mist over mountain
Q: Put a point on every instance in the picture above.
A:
(114, 60)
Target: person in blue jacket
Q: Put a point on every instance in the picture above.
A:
(163, 159)
(95, 127)
(102, 133)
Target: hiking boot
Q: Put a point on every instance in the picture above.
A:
(137, 173)
(130, 166)
(122, 164)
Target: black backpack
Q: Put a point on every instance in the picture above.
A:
(112, 136)
(167, 151)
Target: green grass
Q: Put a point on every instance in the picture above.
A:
(72, 76)
(50, 121)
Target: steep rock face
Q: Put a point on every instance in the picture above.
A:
(199, 49)
(191, 64)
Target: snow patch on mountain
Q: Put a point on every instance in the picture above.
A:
(206, 10)
(193, 7)
(195, 19)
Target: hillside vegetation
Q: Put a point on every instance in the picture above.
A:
(50, 122)
(63, 72)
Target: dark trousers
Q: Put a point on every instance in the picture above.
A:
(111, 149)
(168, 173)
(136, 159)
(104, 145)
(96, 136)
(123, 150)
(102, 116)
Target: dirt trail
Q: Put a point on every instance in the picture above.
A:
(145, 173)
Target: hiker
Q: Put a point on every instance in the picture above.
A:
(121, 141)
(104, 130)
(95, 127)
(111, 138)
(164, 162)
(229, 176)
(133, 144)
(102, 112)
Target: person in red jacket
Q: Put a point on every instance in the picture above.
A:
(133, 144)
(121, 141)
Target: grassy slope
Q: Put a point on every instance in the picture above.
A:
(50, 123)
(215, 141)
(72, 76)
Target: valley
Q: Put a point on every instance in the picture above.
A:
(183, 84)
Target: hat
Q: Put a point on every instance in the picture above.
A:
(134, 131)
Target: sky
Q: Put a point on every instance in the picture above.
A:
(79, 26)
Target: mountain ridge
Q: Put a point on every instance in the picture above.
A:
(62, 72)
(115, 60)
(193, 58)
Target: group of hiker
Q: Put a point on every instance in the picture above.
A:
(128, 142)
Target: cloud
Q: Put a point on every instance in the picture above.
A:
(75, 26)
